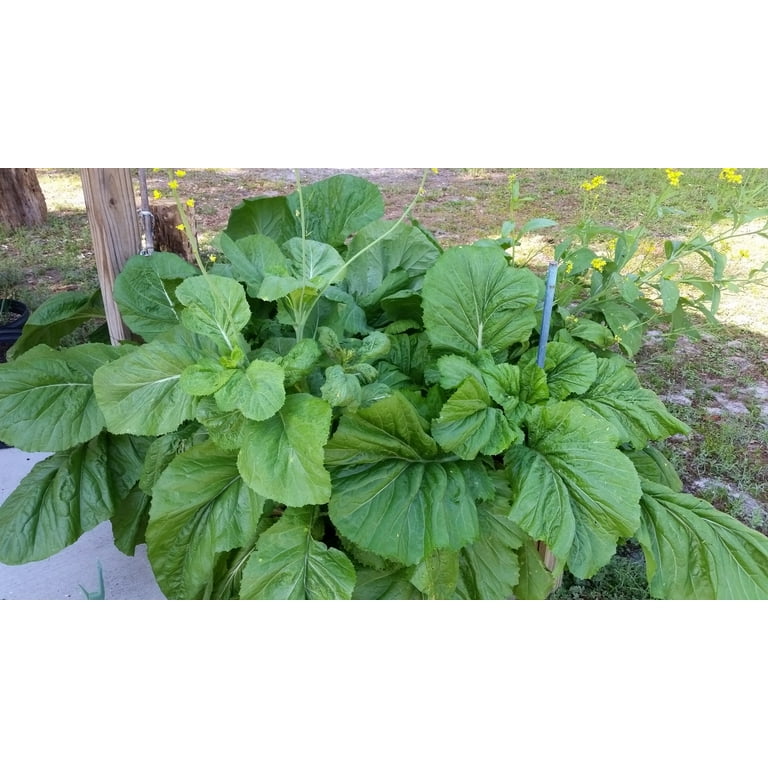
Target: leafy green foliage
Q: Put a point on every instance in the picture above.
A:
(145, 292)
(47, 400)
(290, 564)
(64, 496)
(339, 409)
(695, 552)
(189, 524)
(60, 315)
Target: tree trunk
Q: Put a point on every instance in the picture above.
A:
(21, 200)
(167, 236)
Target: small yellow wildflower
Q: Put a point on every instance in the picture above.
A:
(597, 181)
(212, 258)
(571, 320)
(157, 194)
(730, 175)
(598, 264)
(155, 170)
(673, 177)
(434, 170)
(568, 267)
(180, 227)
(744, 254)
(180, 174)
(190, 203)
(617, 339)
(173, 184)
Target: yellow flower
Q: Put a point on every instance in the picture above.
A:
(190, 203)
(568, 267)
(434, 170)
(744, 254)
(598, 264)
(597, 181)
(155, 170)
(730, 175)
(673, 177)
(617, 339)
(181, 174)
(180, 227)
(157, 194)
(173, 184)
(212, 258)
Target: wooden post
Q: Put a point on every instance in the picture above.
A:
(111, 206)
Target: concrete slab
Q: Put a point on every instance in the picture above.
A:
(60, 577)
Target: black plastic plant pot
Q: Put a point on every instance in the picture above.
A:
(18, 314)
(13, 315)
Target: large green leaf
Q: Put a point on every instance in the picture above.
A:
(145, 292)
(404, 248)
(474, 300)
(314, 264)
(334, 208)
(437, 575)
(225, 428)
(695, 552)
(55, 318)
(490, 567)
(129, 523)
(393, 493)
(257, 392)
(470, 424)
(638, 414)
(403, 510)
(625, 324)
(341, 389)
(141, 392)
(200, 507)
(572, 488)
(164, 449)
(253, 258)
(392, 584)
(47, 398)
(570, 368)
(337, 207)
(651, 464)
(268, 216)
(214, 306)
(289, 564)
(64, 496)
(282, 457)
(536, 580)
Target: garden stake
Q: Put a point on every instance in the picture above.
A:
(549, 300)
(146, 214)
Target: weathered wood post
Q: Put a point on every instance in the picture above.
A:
(111, 207)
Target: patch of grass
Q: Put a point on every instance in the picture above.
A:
(624, 200)
(54, 257)
(622, 579)
(718, 387)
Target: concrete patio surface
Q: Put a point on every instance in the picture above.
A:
(61, 576)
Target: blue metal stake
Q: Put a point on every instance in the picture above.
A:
(549, 300)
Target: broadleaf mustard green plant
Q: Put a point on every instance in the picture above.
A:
(337, 408)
